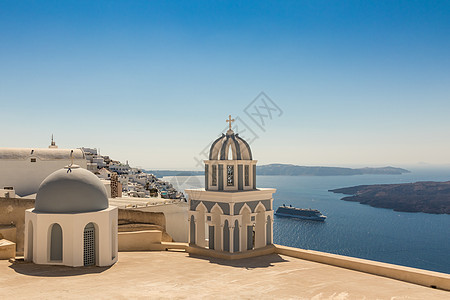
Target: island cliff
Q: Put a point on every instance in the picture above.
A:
(426, 196)
(294, 170)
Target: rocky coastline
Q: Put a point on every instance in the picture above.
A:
(425, 196)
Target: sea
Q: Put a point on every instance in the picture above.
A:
(416, 240)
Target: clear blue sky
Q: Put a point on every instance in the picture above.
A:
(359, 82)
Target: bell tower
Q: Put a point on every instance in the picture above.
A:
(53, 144)
(230, 166)
(230, 214)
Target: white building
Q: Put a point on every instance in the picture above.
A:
(230, 214)
(92, 167)
(107, 185)
(72, 223)
(23, 169)
(7, 193)
(123, 180)
(99, 160)
(119, 168)
(89, 151)
(141, 178)
(104, 173)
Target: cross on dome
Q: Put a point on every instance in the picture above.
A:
(230, 120)
(53, 144)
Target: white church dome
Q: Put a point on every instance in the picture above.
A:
(71, 190)
(220, 148)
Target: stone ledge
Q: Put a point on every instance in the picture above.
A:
(412, 275)
(144, 240)
(7, 249)
(8, 232)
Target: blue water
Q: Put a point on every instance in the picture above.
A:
(411, 239)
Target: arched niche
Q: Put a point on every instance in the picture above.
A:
(192, 230)
(56, 242)
(30, 242)
(226, 236)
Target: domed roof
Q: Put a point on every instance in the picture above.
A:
(71, 190)
(231, 141)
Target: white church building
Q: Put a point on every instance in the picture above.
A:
(230, 214)
(72, 223)
(23, 169)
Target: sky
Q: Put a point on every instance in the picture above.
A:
(346, 83)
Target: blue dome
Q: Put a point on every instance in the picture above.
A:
(74, 190)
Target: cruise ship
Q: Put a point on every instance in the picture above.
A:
(300, 213)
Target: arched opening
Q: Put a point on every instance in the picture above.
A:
(214, 175)
(250, 237)
(192, 230)
(211, 237)
(230, 175)
(226, 236)
(247, 229)
(247, 175)
(56, 243)
(268, 231)
(230, 153)
(260, 237)
(89, 251)
(113, 239)
(201, 226)
(236, 236)
(230, 150)
(30, 242)
(215, 232)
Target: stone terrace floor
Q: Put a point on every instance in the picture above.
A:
(153, 275)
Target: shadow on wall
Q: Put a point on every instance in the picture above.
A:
(247, 263)
(130, 216)
(12, 212)
(32, 269)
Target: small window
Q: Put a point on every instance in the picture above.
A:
(230, 175)
(208, 218)
(33, 160)
(214, 176)
(253, 218)
(247, 175)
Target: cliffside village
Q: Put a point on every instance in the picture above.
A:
(132, 182)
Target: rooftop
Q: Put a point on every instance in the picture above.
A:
(180, 275)
(41, 153)
(123, 202)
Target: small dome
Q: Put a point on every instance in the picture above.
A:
(71, 190)
(231, 141)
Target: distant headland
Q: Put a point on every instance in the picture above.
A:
(427, 196)
(163, 173)
(294, 170)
